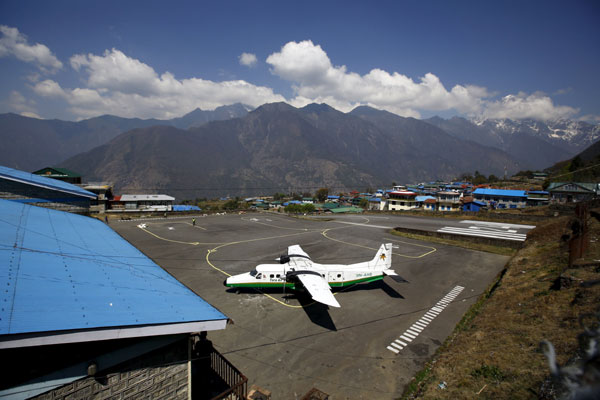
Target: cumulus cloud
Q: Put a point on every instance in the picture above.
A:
(248, 59)
(522, 105)
(14, 43)
(18, 103)
(121, 85)
(316, 79)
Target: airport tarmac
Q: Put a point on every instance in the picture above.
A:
(369, 348)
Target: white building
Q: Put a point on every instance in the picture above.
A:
(144, 202)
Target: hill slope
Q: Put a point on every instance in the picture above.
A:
(30, 144)
(281, 148)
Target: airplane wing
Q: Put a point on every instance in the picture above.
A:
(318, 288)
(296, 250)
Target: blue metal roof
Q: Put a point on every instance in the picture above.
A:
(62, 271)
(48, 183)
(500, 192)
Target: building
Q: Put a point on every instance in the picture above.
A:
(500, 198)
(567, 192)
(104, 194)
(62, 174)
(38, 190)
(377, 204)
(142, 202)
(402, 200)
(448, 201)
(537, 198)
(86, 315)
(473, 206)
(430, 204)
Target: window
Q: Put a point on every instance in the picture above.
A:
(271, 276)
(253, 272)
(278, 276)
(259, 276)
(339, 275)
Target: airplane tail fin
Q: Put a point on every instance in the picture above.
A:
(383, 258)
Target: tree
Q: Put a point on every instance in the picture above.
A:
(364, 203)
(322, 194)
(278, 196)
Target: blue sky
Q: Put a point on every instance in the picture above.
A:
(516, 59)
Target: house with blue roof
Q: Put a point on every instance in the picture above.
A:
(83, 311)
(38, 190)
(501, 198)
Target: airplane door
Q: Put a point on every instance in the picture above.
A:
(336, 276)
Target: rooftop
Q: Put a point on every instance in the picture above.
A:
(70, 278)
(146, 197)
(40, 181)
(500, 192)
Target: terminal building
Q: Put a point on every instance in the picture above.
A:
(86, 315)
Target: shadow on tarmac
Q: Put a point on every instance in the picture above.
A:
(381, 284)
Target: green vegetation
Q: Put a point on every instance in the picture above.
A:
(494, 351)
(299, 208)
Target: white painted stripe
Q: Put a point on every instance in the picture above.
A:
(396, 345)
(406, 338)
(421, 324)
(401, 342)
(497, 224)
(471, 232)
(435, 312)
(429, 314)
(390, 348)
(413, 331)
(416, 328)
(436, 308)
(410, 335)
(479, 234)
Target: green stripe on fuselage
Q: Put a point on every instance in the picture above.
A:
(290, 285)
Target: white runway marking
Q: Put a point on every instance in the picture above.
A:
(495, 230)
(415, 329)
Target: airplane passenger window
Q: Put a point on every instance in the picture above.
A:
(278, 276)
(271, 276)
(339, 275)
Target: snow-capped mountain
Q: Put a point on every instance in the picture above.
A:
(538, 144)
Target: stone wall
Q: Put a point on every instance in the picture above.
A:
(161, 374)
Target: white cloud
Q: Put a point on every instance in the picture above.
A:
(522, 105)
(248, 59)
(120, 85)
(14, 43)
(19, 104)
(316, 79)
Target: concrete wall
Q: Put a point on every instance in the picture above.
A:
(161, 374)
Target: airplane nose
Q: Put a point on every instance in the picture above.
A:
(225, 282)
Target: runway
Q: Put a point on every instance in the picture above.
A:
(288, 344)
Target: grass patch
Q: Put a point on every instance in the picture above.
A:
(494, 351)
(504, 251)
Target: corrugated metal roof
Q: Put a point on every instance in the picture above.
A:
(48, 183)
(146, 197)
(62, 271)
(500, 192)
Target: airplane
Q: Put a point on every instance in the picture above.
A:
(296, 270)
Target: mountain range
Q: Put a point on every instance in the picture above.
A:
(235, 150)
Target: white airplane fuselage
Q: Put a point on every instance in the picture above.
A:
(336, 275)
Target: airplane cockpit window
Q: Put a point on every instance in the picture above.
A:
(253, 272)
(259, 276)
